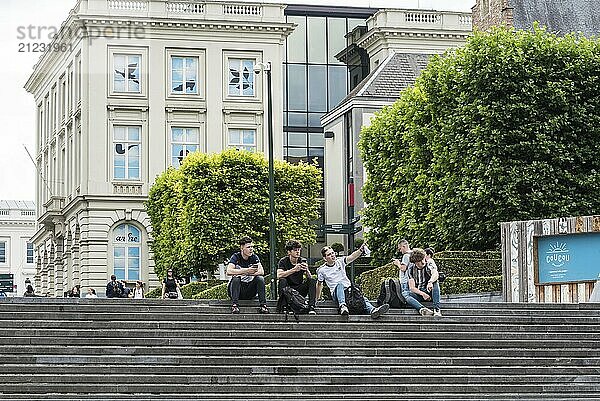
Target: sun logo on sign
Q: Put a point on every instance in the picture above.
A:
(557, 254)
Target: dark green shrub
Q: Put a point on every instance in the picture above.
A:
(468, 254)
(220, 292)
(154, 293)
(216, 292)
(469, 267)
(504, 128)
(468, 285)
(370, 281)
(199, 211)
(191, 289)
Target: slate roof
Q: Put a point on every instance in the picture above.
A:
(560, 16)
(16, 205)
(394, 74)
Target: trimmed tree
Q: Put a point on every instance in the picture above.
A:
(200, 211)
(505, 128)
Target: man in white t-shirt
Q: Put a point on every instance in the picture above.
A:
(333, 273)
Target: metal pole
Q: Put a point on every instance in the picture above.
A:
(272, 228)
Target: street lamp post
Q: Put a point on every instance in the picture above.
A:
(266, 67)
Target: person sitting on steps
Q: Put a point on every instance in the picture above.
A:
(114, 288)
(291, 271)
(246, 277)
(333, 273)
(423, 284)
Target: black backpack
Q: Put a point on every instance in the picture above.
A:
(117, 291)
(291, 300)
(391, 293)
(355, 301)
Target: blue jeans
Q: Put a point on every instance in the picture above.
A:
(339, 297)
(415, 300)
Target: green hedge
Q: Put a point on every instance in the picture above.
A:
(469, 267)
(468, 254)
(220, 292)
(193, 288)
(188, 291)
(370, 282)
(469, 285)
(155, 293)
(216, 292)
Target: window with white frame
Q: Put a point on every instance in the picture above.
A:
(126, 73)
(184, 75)
(241, 77)
(183, 141)
(127, 152)
(242, 139)
(126, 252)
(2, 251)
(29, 253)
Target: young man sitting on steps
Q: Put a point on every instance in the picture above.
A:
(333, 272)
(423, 284)
(246, 277)
(291, 272)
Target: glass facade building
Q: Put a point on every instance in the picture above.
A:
(314, 80)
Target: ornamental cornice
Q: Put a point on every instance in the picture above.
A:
(378, 34)
(250, 26)
(23, 223)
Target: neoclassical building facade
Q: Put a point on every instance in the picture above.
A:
(128, 88)
(17, 225)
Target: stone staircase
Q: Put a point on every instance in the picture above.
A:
(110, 349)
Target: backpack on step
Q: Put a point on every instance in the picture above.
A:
(291, 300)
(391, 293)
(355, 300)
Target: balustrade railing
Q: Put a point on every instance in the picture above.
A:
(128, 5)
(185, 8)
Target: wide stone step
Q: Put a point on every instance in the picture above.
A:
(464, 396)
(308, 359)
(299, 390)
(199, 341)
(579, 372)
(357, 323)
(307, 349)
(132, 306)
(299, 332)
(114, 303)
(331, 379)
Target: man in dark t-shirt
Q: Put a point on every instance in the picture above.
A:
(291, 272)
(246, 277)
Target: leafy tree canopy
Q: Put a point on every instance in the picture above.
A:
(200, 211)
(505, 128)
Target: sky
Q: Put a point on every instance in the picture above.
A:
(17, 107)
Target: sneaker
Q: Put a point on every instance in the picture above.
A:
(437, 312)
(235, 309)
(380, 310)
(263, 309)
(426, 312)
(344, 310)
(312, 311)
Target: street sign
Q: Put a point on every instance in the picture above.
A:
(6, 282)
(340, 228)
